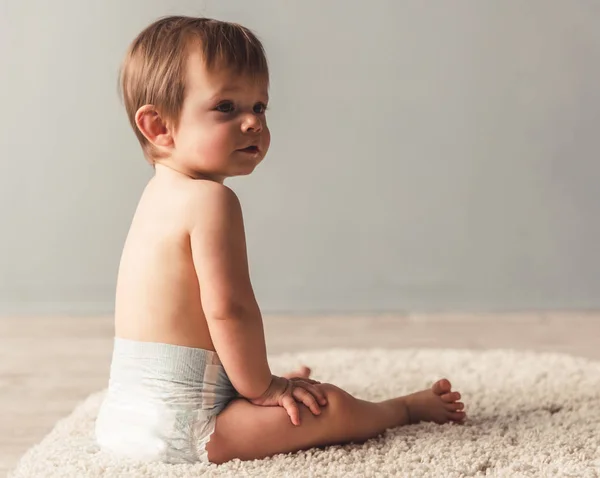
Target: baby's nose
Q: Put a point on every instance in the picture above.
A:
(252, 124)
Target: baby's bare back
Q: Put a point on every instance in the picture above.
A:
(158, 296)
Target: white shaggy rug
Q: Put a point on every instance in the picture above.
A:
(529, 415)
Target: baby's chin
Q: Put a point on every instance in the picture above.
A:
(245, 168)
(248, 170)
(235, 167)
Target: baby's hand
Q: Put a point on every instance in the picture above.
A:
(284, 392)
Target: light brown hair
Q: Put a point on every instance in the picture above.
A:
(154, 69)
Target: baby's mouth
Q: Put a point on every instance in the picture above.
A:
(249, 149)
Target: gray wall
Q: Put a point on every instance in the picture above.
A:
(426, 155)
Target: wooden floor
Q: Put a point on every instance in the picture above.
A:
(48, 365)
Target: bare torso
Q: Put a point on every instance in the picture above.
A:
(158, 296)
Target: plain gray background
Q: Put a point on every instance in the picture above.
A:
(426, 156)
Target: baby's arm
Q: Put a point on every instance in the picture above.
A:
(232, 313)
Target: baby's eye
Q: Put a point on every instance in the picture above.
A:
(225, 107)
(260, 108)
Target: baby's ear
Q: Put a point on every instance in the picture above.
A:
(153, 127)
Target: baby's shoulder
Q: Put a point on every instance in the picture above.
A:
(206, 199)
(202, 192)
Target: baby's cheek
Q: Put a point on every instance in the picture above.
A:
(266, 139)
(208, 147)
(218, 142)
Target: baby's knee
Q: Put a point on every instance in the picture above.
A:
(340, 403)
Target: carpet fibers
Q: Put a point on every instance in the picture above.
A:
(529, 415)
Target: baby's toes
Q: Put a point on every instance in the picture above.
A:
(441, 386)
(304, 371)
(457, 416)
(454, 406)
(451, 397)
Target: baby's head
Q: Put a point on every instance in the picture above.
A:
(195, 91)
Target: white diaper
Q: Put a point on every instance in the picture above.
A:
(162, 402)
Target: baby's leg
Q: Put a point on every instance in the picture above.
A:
(247, 431)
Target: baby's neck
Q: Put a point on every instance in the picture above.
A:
(167, 170)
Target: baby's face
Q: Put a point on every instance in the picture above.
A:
(222, 130)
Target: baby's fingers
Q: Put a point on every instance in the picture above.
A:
(315, 391)
(305, 379)
(291, 407)
(305, 397)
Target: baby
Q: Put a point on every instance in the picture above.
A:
(189, 378)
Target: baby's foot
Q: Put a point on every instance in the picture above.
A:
(302, 372)
(438, 404)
